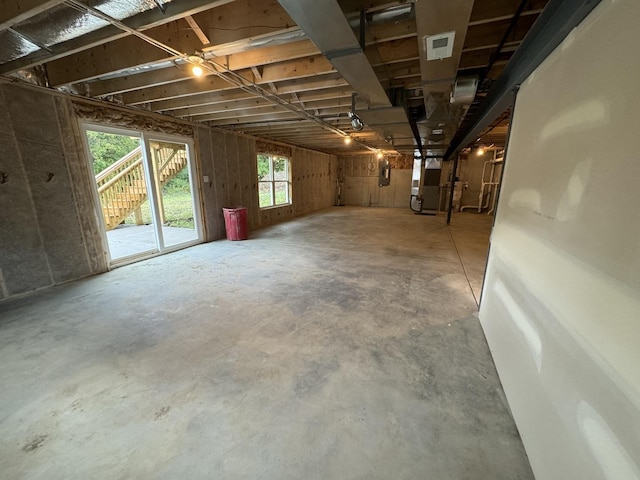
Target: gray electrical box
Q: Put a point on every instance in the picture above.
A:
(384, 176)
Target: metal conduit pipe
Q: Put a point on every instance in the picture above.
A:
(219, 70)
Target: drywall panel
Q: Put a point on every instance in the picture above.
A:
(561, 299)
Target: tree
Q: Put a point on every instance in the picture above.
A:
(108, 148)
(263, 167)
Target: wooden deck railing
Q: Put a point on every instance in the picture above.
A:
(122, 187)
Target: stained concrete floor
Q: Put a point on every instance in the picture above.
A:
(342, 345)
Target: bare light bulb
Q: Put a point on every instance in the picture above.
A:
(379, 155)
(347, 140)
(480, 151)
(197, 70)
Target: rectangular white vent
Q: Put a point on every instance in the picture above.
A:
(439, 46)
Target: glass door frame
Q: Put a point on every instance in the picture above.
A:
(146, 139)
(152, 189)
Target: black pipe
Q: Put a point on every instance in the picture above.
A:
(452, 182)
(412, 114)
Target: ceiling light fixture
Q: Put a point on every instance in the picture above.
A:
(480, 151)
(196, 62)
(347, 140)
(379, 155)
(356, 123)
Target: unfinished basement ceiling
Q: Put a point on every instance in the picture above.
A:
(267, 76)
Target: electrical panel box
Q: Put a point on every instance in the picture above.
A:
(384, 176)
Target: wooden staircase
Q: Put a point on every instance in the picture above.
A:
(122, 187)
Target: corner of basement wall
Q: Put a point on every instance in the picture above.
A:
(358, 175)
(46, 236)
(49, 226)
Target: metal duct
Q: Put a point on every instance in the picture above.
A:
(392, 124)
(326, 26)
(433, 19)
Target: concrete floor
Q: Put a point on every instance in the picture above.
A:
(342, 345)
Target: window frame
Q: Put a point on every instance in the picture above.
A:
(271, 181)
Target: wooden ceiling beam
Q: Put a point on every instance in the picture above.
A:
(265, 113)
(268, 124)
(390, 51)
(394, 51)
(245, 113)
(255, 103)
(304, 88)
(319, 82)
(197, 30)
(284, 127)
(249, 115)
(341, 105)
(306, 67)
(404, 69)
(257, 118)
(152, 78)
(238, 61)
(480, 58)
(300, 68)
(390, 31)
(131, 51)
(226, 106)
(485, 11)
(486, 34)
(188, 101)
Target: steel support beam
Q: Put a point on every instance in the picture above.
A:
(556, 21)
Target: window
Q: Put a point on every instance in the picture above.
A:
(274, 185)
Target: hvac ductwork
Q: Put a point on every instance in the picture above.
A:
(326, 26)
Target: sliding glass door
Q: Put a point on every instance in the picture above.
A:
(175, 205)
(145, 190)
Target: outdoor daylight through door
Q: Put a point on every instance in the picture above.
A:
(144, 185)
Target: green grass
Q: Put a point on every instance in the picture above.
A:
(265, 198)
(177, 207)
